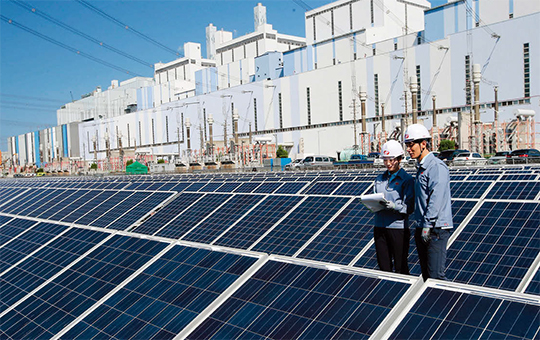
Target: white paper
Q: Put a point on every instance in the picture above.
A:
(371, 201)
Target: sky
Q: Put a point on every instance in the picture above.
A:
(40, 69)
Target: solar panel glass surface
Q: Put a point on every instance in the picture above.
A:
(468, 189)
(190, 217)
(353, 188)
(62, 300)
(306, 219)
(92, 200)
(128, 203)
(25, 243)
(49, 260)
(344, 237)
(291, 187)
(321, 188)
(257, 222)
(211, 186)
(164, 298)
(229, 186)
(443, 314)
(103, 208)
(287, 301)
(514, 190)
(195, 186)
(13, 228)
(30, 199)
(222, 218)
(267, 187)
(534, 285)
(497, 246)
(247, 187)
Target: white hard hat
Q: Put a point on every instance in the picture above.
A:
(416, 132)
(392, 149)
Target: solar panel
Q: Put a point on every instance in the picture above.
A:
(9, 193)
(4, 219)
(222, 218)
(468, 189)
(291, 187)
(344, 237)
(497, 246)
(445, 314)
(25, 243)
(94, 198)
(195, 186)
(164, 298)
(514, 190)
(321, 188)
(60, 197)
(521, 177)
(306, 219)
(211, 187)
(167, 213)
(289, 301)
(131, 202)
(104, 207)
(31, 198)
(267, 187)
(353, 188)
(257, 222)
(229, 186)
(62, 300)
(49, 260)
(483, 177)
(14, 227)
(190, 217)
(457, 177)
(180, 187)
(74, 204)
(247, 187)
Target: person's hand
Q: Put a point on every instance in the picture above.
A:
(388, 204)
(426, 232)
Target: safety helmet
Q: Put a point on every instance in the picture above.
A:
(391, 150)
(416, 132)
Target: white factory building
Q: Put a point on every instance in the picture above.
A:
(397, 59)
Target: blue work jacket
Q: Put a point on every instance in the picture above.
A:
(433, 206)
(400, 190)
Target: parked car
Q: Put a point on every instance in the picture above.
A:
(469, 158)
(498, 158)
(408, 161)
(448, 155)
(523, 156)
(313, 162)
(294, 165)
(376, 158)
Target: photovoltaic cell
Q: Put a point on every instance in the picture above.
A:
(28, 202)
(26, 243)
(61, 301)
(120, 208)
(58, 198)
(189, 218)
(48, 261)
(166, 297)
(247, 187)
(306, 219)
(468, 189)
(8, 194)
(4, 219)
(321, 188)
(13, 228)
(442, 314)
(497, 246)
(104, 207)
(353, 188)
(514, 190)
(483, 178)
(257, 222)
(167, 213)
(287, 301)
(520, 177)
(211, 187)
(290, 187)
(84, 196)
(460, 210)
(222, 218)
(267, 187)
(229, 187)
(95, 198)
(180, 187)
(195, 186)
(344, 237)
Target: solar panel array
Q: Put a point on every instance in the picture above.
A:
(259, 255)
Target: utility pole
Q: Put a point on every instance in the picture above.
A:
(188, 137)
(363, 98)
(414, 91)
(435, 129)
(355, 146)
(496, 116)
(210, 120)
(383, 133)
(477, 76)
(121, 150)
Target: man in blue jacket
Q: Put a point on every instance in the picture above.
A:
(391, 232)
(433, 205)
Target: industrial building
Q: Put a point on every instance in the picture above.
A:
(468, 70)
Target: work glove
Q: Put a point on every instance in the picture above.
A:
(426, 232)
(388, 205)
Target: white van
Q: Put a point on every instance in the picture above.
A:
(316, 162)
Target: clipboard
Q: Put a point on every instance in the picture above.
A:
(371, 201)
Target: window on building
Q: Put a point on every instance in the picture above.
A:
(526, 70)
(332, 21)
(340, 101)
(371, 11)
(140, 134)
(308, 107)
(350, 17)
(376, 88)
(314, 30)
(255, 113)
(153, 133)
(129, 137)
(280, 111)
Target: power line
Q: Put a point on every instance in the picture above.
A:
(79, 33)
(69, 48)
(127, 27)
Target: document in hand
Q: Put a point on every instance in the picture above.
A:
(372, 201)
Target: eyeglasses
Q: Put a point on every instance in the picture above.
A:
(410, 144)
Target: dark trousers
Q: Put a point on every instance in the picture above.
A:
(392, 245)
(432, 255)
